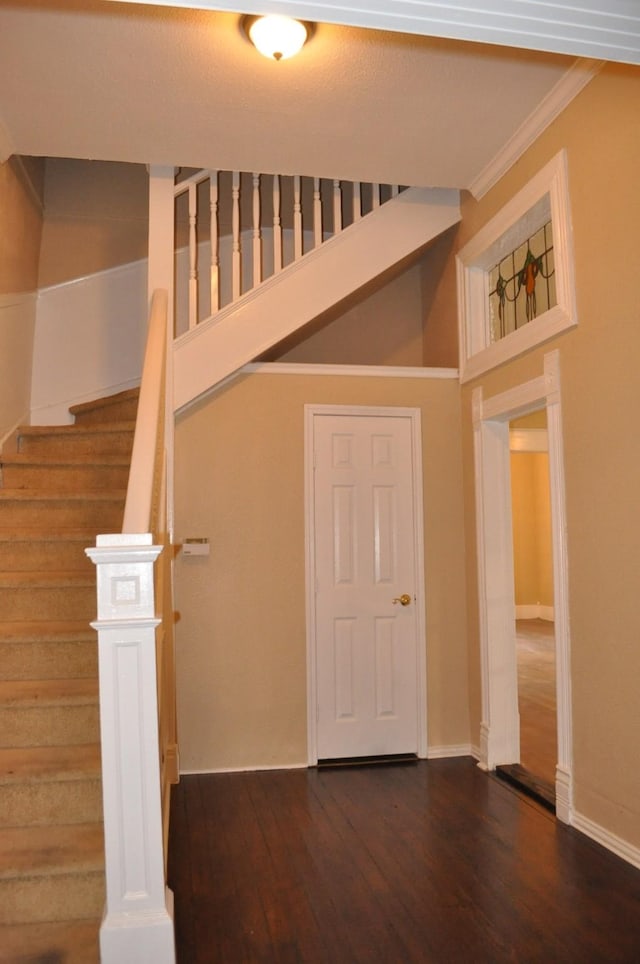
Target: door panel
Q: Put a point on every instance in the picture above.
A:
(366, 645)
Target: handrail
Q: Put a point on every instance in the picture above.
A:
(137, 683)
(148, 441)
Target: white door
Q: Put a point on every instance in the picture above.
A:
(367, 663)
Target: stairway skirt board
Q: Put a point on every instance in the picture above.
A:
(60, 487)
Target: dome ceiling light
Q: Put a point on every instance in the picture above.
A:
(275, 36)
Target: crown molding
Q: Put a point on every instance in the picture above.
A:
(568, 87)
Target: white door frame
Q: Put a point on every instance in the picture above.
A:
(500, 726)
(310, 412)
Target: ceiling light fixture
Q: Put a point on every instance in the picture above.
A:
(275, 36)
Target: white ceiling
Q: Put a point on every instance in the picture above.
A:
(154, 84)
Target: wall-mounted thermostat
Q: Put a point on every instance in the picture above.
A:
(195, 547)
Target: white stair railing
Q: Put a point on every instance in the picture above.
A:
(137, 684)
(236, 230)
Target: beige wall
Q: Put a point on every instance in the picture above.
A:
(408, 319)
(439, 303)
(241, 634)
(531, 519)
(96, 217)
(382, 326)
(20, 230)
(21, 223)
(600, 396)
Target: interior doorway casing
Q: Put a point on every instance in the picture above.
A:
(413, 414)
(500, 727)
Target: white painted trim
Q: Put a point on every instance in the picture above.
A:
(498, 730)
(535, 611)
(14, 299)
(140, 263)
(569, 86)
(257, 768)
(528, 440)
(608, 30)
(138, 919)
(351, 371)
(449, 751)
(545, 195)
(362, 371)
(618, 846)
(414, 414)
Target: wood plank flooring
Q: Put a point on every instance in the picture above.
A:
(405, 864)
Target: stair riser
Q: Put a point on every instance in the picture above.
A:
(124, 411)
(49, 725)
(35, 603)
(109, 443)
(65, 478)
(60, 897)
(43, 556)
(46, 660)
(37, 804)
(103, 516)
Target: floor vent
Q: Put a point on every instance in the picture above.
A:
(536, 788)
(368, 761)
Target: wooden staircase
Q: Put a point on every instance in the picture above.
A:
(61, 485)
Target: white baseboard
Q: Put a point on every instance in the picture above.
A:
(249, 769)
(452, 750)
(618, 846)
(535, 611)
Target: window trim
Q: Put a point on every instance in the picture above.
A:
(546, 195)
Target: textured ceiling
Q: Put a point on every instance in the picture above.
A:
(103, 80)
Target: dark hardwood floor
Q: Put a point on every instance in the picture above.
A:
(426, 862)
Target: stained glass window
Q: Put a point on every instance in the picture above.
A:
(522, 285)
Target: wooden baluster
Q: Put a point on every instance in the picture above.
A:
(297, 219)
(215, 252)
(395, 190)
(277, 226)
(193, 257)
(375, 196)
(235, 227)
(357, 201)
(257, 236)
(337, 208)
(317, 213)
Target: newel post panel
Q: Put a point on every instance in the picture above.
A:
(137, 927)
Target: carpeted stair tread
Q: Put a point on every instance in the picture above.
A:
(44, 495)
(46, 578)
(42, 533)
(99, 428)
(44, 851)
(46, 630)
(48, 692)
(44, 764)
(62, 942)
(70, 459)
(122, 405)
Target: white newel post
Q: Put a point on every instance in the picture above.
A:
(137, 927)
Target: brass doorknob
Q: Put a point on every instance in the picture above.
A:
(404, 599)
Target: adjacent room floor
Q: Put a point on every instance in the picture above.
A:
(423, 862)
(537, 697)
